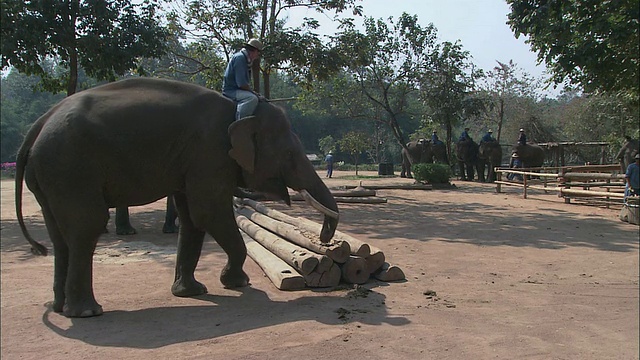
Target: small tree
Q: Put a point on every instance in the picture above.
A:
(327, 144)
(354, 143)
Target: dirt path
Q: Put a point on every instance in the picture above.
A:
(513, 279)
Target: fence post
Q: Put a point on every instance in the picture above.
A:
(499, 178)
(524, 182)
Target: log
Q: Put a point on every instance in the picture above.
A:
(396, 187)
(568, 176)
(288, 232)
(341, 193)
(578, 192)
(328, 278)
(389, 273)
(337, 250)
(301, 259)
(283, 276)
(374, 261)
(354, 270)
(353, 200)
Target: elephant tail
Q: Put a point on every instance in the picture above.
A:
(21, 163)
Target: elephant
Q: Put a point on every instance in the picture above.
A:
(627, 152)
(532, 156)
(467, 156)
(422, 151)
(135, 141)
(123, 224)
(490, 153)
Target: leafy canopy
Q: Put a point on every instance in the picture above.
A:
(590, 43)
(104, 37)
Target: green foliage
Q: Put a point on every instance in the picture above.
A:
(432, 173)
(327, 144)
(105, 38)
(222, 27)
(354, 143)
(592, 43)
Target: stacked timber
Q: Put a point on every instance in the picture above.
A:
(289, 251)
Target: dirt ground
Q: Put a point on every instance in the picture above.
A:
(513, 279)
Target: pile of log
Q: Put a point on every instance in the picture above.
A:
(355, 195)
(289, 251)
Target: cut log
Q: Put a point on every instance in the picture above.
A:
(353, 200)
(328, 278)
(357, 192)
(300, 258)
(283, 276)
(337, 250)
(389, 273)
(375, 261)
(396, 187)
(354, 270)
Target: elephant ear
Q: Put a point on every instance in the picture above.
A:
(243, 149)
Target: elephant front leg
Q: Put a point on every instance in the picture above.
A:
(123, 226)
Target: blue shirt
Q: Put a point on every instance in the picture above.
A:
(329, 159)
(487, 137)
(464, 136)
(633, 173)
(236, 74)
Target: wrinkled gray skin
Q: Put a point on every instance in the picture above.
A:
(422, 151)
(490, 155)
(135, 141)
(627, 153)
(467, 155)
(530, 155)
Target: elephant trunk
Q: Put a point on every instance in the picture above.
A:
(321, 198)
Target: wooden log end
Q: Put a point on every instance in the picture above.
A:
(389, 273)
(354, 270)
(340, 252)
(328, 278)
(375, 261)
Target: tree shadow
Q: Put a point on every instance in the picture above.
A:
(220, 316)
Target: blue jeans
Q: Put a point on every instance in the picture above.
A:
(246, 101)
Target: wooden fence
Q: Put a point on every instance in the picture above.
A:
(589, 183)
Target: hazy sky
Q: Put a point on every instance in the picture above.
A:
(480, 25)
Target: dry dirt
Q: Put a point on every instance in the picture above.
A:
(489, 276)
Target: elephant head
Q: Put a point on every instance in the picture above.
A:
(531, 155)
(627, 152)
(272, 159)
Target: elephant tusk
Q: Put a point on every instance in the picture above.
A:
(316, 205)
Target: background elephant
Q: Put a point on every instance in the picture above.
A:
(123, 224)
(531, 155)
(627, 152)
(135, 141)
(467, 155)
(490, 154)
(422, 151)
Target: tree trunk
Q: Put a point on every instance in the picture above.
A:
(354, 270)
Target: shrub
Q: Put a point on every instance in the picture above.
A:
(8, 169)
(432, 173)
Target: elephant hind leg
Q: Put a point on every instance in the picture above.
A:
(190, 241)
(75, 226)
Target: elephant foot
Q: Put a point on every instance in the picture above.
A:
(183, 288)
(57, 306)
(90, 309)
(234, 278)
(170, 229)
(126, 230)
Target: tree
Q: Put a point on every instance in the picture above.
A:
(224, 26)
(354, 143)
(104, 37)
(327, 144)
(379, 79)
(509, 89)
(447, 87)
(590, 43)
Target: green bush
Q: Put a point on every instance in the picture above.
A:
(432, 173)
